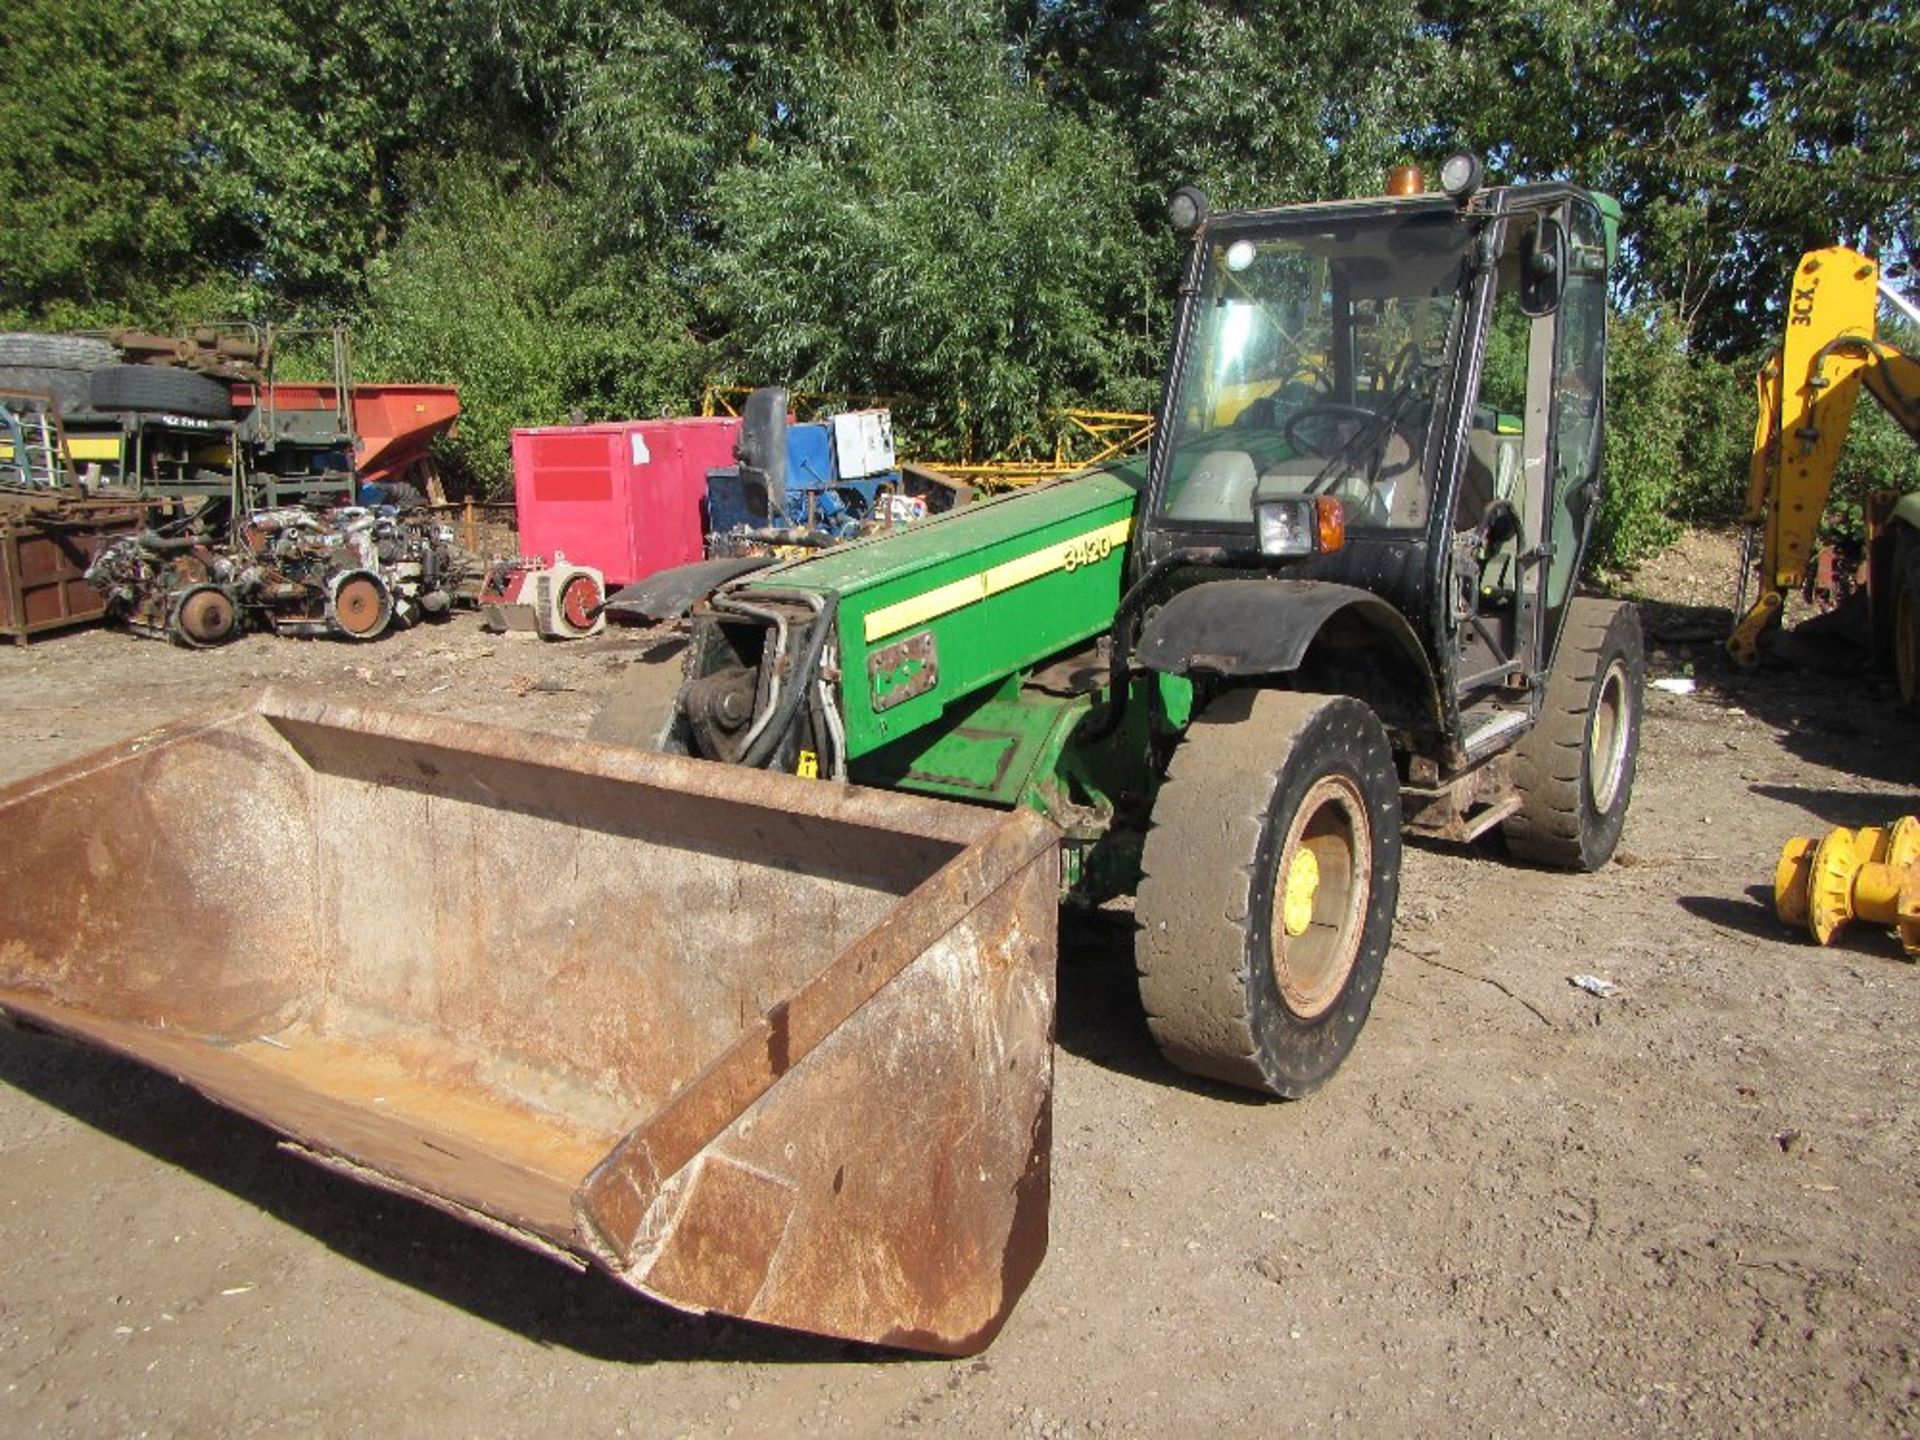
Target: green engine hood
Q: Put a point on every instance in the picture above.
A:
(945, 608)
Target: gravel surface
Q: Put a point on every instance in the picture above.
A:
(1519, 1208)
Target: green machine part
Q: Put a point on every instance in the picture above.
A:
(942, 628)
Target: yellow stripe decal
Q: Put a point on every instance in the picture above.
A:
(1088, 549)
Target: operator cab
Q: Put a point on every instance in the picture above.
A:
(1401, 395)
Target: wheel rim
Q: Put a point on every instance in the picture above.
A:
(360, 607)
(1906, 646)
(1608, 739)
(206, 617)
(1320, 892)
(579, 601)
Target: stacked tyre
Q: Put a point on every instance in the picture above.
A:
(59, 365)
(115, 388)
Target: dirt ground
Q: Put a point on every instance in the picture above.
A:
(1519, 1209)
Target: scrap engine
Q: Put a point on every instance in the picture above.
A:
(352, 571)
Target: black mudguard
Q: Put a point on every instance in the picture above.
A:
(1253, 628)
(672, 593)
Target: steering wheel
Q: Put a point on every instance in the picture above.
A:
(1343, 420)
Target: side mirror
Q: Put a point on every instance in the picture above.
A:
(1544, 271)
(761, 448)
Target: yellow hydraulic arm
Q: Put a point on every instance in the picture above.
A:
(1807, 391)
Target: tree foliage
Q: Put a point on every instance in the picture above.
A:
(563, 205)
(99, 212)
(939, 233)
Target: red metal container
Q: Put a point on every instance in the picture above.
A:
(624, 496)
(44, 553)
(397, 424)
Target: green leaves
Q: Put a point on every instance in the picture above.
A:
(937, 231)
(495, 288)
(95, 210)
(561, 204)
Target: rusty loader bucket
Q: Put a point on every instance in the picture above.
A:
(764, 1046)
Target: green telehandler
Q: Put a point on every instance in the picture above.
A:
(1336, 599)
(781, 1047)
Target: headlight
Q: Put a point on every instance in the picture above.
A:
(1460, 175)
(1187, 207)
(1301, 525)
(1286, 527)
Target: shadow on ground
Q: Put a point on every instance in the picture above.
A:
(487, 1277)
(1753, 917)
(1100, 1018)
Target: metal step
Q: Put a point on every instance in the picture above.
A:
(1485, 732)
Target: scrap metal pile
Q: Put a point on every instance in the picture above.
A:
(351, 571)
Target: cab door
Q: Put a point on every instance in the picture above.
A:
(1529, 470)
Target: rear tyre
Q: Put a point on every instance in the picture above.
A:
(1906, 634)
(1574, 770)
(1271, 873)
(642, 711)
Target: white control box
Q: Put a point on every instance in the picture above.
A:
(863, 443)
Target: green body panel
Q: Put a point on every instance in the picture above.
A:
(991, 752)
(980, 595)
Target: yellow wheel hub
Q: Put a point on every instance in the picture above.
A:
(1790, 881)
(1870, 874)
(1303, 889)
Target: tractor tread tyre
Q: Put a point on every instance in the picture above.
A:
(1906, 629)
(1599, 678)
(1232, 797)
(163, 388)
(642, 710)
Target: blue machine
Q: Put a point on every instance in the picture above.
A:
(819, 502)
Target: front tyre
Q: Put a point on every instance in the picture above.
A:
(1574, 770)
(1271, 873)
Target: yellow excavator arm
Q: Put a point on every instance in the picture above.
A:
(1806, 393)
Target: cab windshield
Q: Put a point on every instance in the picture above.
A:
(1312, 369)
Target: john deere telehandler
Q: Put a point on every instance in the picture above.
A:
(1338, 598)
(757, 1041)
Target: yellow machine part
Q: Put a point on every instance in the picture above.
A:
(1805, 397)
(1302, 889)
(1871, 874)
